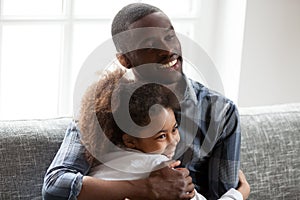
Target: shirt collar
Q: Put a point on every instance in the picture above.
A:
(189, 93)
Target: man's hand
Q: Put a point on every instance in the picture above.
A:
(244, 186)
(168, 183)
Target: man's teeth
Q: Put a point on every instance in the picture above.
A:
(169, 64)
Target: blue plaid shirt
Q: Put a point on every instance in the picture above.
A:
(209, 148)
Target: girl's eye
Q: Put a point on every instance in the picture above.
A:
(175, 128)
(162, 136)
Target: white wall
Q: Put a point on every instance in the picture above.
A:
(271, 53)
(220, 33)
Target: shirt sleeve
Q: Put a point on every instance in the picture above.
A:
(63, 179)
(225, 159)
(232, 194)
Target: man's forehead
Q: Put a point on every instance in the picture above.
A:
(143, 33)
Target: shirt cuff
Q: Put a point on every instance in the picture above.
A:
(76, 187)
(232, 194)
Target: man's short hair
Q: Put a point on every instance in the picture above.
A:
(128, 15)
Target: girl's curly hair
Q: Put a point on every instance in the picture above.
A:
(98, 107)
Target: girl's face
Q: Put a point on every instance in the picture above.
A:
(164, 142)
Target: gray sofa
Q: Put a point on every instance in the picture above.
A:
(270, 155)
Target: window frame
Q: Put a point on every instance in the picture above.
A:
(67, 20)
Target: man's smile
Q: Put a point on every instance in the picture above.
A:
(172, 64)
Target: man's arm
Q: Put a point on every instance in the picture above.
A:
(165, 183)
(241, 193)
(65, 178)
(225, 160)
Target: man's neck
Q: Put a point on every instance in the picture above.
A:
(179, 88)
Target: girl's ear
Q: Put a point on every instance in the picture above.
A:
(123, 60)
(129, 141)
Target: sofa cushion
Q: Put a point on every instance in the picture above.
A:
(270, 151)
(27, 148)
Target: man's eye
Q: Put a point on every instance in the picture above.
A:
(149, 45)
(170, 37)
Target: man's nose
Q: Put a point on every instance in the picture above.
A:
(165, 53)
(165, 49)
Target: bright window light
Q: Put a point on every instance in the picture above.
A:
(30, 71)
(32, 7)
(87, 37)
(43, 44)
(183, 8)
(96, 8)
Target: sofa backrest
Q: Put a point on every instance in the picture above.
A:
(270, 151)
(27, 148)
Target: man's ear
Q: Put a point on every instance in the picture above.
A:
(129, 141)
(123, 60)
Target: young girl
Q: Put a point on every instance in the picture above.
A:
(131, 154)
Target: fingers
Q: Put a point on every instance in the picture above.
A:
(185, 172)
(189, 187)
(171, 183)
(186, 185)
(174, 163)
(188, 195)
(242, 177)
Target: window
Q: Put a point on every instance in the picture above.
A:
(43, 44)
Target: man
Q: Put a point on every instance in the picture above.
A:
(147, 44)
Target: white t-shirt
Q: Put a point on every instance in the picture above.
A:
(133, 165)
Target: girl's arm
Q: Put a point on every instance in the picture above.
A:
(165, 183)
